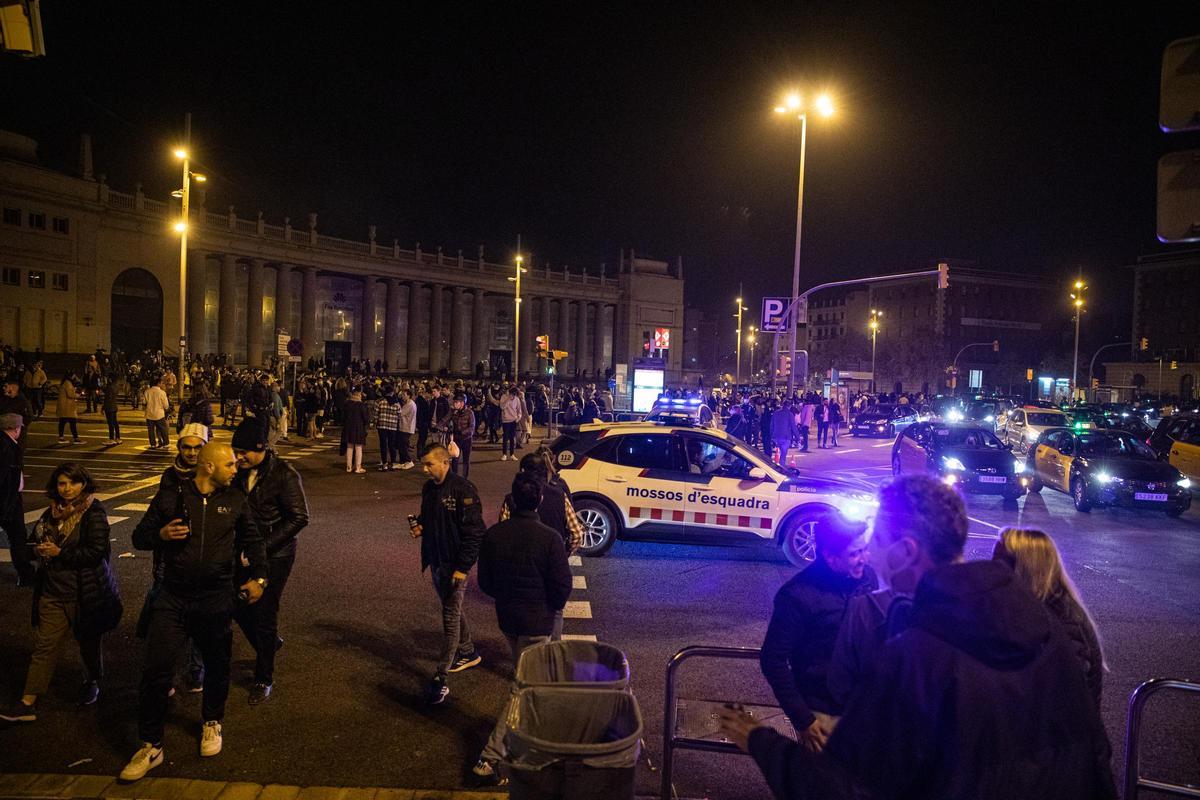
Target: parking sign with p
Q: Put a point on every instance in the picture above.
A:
(774, 319)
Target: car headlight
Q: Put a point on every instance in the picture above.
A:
(859, 507)
(1184, 483)
(950, 462)
(1104, 477)
(1018, 466)
(989, 418)
(954, 415)
(1031, 435)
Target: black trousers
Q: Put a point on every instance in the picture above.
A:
(260, 622)
(402, 443)
(464, 460)
(804, 438)
(63, 422)
(422, 435)
(114, 426)
(206, 620)
(18, 548)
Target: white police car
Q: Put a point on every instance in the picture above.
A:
(681, 410)
(691, 483)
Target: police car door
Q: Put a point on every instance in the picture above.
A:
(721, 495)
(645, 482)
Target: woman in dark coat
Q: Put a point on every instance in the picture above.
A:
(355, 420)
(74, 591)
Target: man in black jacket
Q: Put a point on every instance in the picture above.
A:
(450, 528)
(523, 565)
(280, 510)
(12, 508)
(809, 610)
(980, 697)
(198, 532)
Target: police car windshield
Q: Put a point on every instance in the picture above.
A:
(1113, 445)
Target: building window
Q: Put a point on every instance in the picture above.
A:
(59, 280)
(37, 220)
(12, 216)
(62, 225)
(12, 276)
(37, 279)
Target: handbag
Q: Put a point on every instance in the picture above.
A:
(453, 449)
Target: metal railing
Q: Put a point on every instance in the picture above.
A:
(673, 739)
(1134, 782)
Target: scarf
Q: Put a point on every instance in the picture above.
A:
(65, 518)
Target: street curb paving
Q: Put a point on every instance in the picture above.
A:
(34, 786)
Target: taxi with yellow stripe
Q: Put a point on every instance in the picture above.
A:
(692, 483)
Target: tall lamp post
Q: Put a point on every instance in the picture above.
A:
(874, 324)
(517, 313)
(1077, 300)
(740, 309)
(794, 104)
(753, 340)
(183, 153)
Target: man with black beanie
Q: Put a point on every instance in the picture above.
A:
(280, 510)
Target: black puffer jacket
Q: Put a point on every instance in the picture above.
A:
(278, 503)
(1083, 636)
(84, 561)
(523, 565)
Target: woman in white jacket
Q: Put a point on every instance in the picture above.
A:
(512, 410)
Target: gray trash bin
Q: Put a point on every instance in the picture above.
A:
(568, 743)
(573, 662)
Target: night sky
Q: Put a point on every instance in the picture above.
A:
(1020, 139)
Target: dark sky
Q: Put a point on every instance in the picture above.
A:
(1022, 139)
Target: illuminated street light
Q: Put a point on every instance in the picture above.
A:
(874, 326)
(1077, 301)
(740, 309)
(181, 227)
(795, 104)
(753, 340)
(520, 259)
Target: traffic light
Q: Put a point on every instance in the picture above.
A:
(785, 366)
(543, 346)
(943, 276)
(1028, 374)
(1095, 383)
(1144, 344)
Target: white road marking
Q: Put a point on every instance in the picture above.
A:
(991, 536)
(842, 452)
(32, 516)
(577, 609)
(115, 520)
(134, 507)
(885, 444)
(575, 561)
(579, 637)
(578, 582)
(981, 522)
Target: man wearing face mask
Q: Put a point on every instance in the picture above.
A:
(980, 696)
(808, 612)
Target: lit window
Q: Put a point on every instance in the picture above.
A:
(62, 225)
(12, 276)
(37, 279)
(59, 281)
(37, 220)
(12, 216)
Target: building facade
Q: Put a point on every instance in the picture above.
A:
(85, 266)
(1166, 305)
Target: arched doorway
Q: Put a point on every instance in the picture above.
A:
(137, 312)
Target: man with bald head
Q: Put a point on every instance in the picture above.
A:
(198, 531)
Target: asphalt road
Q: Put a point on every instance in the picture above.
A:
(361, 627)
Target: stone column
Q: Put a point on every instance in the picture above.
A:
(392, 334)
(437, 345)
(254, 314)
(582, 357)
(459, 343)
(283, 299)
(415, 322)
(528, 346)
(226, 336)
(197, 285)
(310, 331)
(564, 336)
(599, 363)
(366, 329)
(480, 332)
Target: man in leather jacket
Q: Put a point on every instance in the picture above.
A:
(280, 509)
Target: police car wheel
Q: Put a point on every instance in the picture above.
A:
(599, 527)
(798, 541)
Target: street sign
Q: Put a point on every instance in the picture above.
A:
(281, 345)
(1179, 89)
(1179, 196)
(773, 319)
(293, 359)
(295, 348)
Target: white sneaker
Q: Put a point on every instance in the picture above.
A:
(407, 465)
(142, 762)
(210, 739)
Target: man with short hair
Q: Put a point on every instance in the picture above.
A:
(523, 566)
(13, 402)
(157, 406)
(981, 695)
(280, 509)
(199, 541)
(808, 613)
(12, 509)
(450, 527)
(35, 383)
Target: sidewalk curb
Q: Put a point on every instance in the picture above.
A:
(34, 786)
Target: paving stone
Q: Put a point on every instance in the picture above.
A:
(149, 789)
(240, 791)
(394, 794)
(13, 784)
(90, 786)
(49, 786)
(278, 791)
(320, 793)
(358, 793)
(476, 795)
(200, 790)
(432, 794)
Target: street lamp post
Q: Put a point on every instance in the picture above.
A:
(184, 153)
(1077, 299)
(753, 341)
(740, 308)
(517, 313)
(795, 104)
(875, 315)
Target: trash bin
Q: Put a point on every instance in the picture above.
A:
(568, 743)
(582, 664)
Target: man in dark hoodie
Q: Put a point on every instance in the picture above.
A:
(979, 697)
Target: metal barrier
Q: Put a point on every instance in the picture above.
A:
(698, 730)
(1134, 782)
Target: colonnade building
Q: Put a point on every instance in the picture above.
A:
(85, 266)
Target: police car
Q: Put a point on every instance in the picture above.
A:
(688, 482)
(681, 410)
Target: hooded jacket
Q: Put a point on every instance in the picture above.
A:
(982, 697)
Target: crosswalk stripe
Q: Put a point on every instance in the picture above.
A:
(115, 520)
(885, 444)
(134, 507)
(577, 609)
(578, 582)
(580, 637)
(575, 561)
(840, 451)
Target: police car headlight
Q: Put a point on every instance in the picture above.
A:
(859, 507)
(950, 462)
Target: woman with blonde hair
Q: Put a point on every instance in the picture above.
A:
(1035, 559)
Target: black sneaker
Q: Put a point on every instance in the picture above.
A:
(19, 712)
(466, 662)
(88, 693)
(438, 690)
(195, 684)
(488, 773)
(259, 692)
